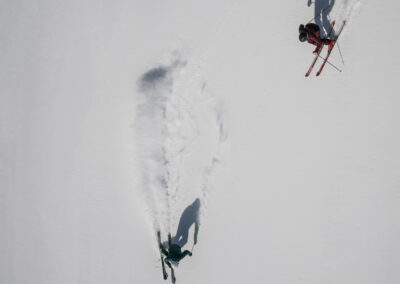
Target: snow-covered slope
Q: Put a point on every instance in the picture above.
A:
(116, 116)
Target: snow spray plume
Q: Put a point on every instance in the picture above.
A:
(347, 10)
(179, 132)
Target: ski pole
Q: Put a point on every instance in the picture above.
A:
(330, 64)
(340, 51)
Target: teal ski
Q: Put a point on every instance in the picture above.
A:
(165, 274)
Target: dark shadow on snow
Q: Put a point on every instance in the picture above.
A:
(189, 217)
(322, 9)
(152, 78)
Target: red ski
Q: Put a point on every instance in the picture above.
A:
(317, 55)
(330, 49)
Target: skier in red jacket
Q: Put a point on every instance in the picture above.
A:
(312, 34)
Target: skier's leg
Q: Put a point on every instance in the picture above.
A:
(164, 252)
(169, 239)
(166, 260)
(326, 41)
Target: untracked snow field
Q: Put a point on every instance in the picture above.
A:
(122, 118)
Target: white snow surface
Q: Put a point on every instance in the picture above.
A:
(116, 117)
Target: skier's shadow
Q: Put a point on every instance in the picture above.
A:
(189, 217)
(322, 9)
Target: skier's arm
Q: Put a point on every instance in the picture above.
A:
(185, 253)
(167, 261)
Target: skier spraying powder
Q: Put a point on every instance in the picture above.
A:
(174, 254)
(312, 34)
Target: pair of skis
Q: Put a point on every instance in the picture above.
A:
(329, 50)
(164, 271)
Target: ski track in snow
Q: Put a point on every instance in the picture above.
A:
(179, 129)
(348, 10)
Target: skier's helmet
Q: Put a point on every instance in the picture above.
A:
(303, 36)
